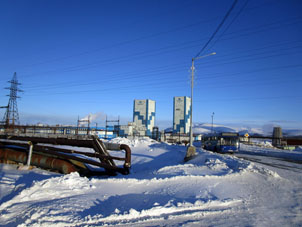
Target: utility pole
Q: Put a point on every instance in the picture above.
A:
(191, 151)
(191, 117)
(192, 86)
(116, 128)
(11, 116)
(212, 122)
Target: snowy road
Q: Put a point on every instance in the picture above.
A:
(288, 163)
(272, 158)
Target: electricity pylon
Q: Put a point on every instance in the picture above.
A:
(11, 116)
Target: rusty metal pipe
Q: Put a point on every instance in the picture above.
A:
(71, 157)
(66, 150)
(93, 155)
(127, 150)
(91, 142)
(42, 161)
(47, 151)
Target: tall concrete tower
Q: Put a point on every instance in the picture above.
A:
(181, 114)
(144, 114)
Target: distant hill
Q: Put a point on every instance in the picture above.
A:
(205, 128)
(292, 132)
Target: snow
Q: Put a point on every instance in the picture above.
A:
(161, 190)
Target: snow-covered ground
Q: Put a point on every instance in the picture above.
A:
(162, 190)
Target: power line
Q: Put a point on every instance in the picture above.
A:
(165, 82)
(140, 38)
(179, 65)
(228, 75)
(217, 29)
(250, 98)
(145, 54)
(132, 40)
(236, 16)
(125, 42)
(111, 78)
(261, 29)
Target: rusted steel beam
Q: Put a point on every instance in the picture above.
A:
(100, 149)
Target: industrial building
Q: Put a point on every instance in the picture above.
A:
(181, 114)
(144, 116)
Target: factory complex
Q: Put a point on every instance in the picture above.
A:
(144, 113)
(143, 124)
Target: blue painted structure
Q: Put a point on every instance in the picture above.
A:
(144, 114)
(181, 114)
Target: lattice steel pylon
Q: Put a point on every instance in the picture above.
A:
(11, 116)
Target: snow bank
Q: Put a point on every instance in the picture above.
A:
(211, 189)
(135, 142)
(158, 213)
(263, 143)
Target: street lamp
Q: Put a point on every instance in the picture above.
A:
(191, 147)
(212, 122)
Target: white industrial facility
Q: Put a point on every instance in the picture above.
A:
(144, 115)
(181, 114)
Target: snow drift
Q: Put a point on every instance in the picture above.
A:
(211, 189)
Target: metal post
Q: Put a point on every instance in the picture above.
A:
(106, 128)
(212, 122)
(31, 146)
(191, 151)
(191, 115)
(77, 130)
(88, 129)
(192, 86)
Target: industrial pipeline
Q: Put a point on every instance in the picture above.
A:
(33, 150)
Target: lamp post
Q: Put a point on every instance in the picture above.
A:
(212, 121)
(192, 86)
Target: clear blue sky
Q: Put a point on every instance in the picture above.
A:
(79, 57)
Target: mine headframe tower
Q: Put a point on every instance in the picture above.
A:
(11, 116)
